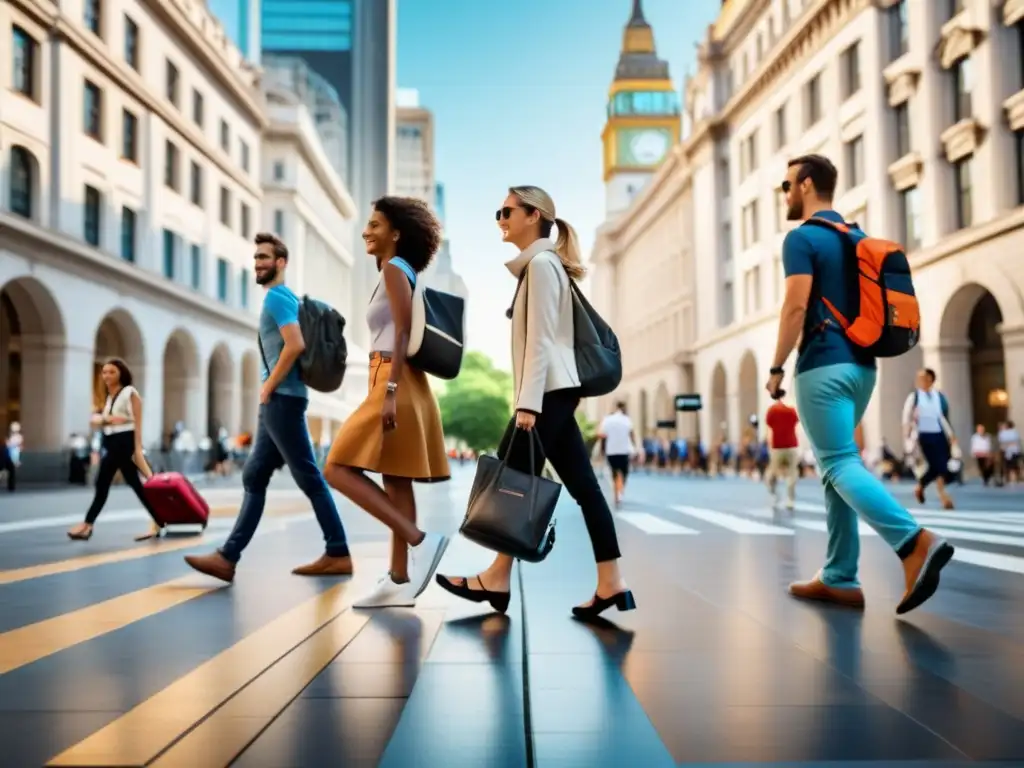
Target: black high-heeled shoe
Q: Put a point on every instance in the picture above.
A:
(80, 535)
(498, 600)
(622, 600)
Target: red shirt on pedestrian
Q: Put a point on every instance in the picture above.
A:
(782, 421)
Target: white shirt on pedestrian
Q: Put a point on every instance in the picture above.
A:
(981, 445)
(616, 429)
(926, 414)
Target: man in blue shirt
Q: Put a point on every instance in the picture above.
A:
(282, 436)
(834, 381)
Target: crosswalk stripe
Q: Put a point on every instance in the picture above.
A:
(652, 524)
(954, 519)
(733, 523)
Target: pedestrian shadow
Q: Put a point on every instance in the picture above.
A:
(614, 641)
(493, 630)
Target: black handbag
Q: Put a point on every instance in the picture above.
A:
(509, 511)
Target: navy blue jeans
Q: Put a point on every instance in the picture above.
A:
(282, 438)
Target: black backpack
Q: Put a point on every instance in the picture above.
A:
(322, 363)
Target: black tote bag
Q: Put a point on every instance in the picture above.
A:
(510, 511)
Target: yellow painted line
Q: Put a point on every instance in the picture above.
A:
(142, 549)
(37, 641)
(139, 736)
(223, 736)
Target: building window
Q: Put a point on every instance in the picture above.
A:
(93, 117)
(901, 113)
(279, 223)
(750, 228)
(962, 86)
(812, 101)
(129, 136)
(278, 171)
(196, 185)
(243, 289)
(953, 8)
(92, 216)
(92, 16)
(1019, 26)
(245, 156)
(910, 203)
(225, 136)
(964, 203)
(780, 127)
(197, 108)
(748, 155)
(171, 163)
(25, 50)
(222, 280)
(169, 254)
(245, 221)
(725, 176)
(22, 182)
(851, 70)
(899, 30)
(752, 291)
(173, 84)
(196, 258)
(727, 311)
(225, 206)
(131, 43)
(855, 162)
(128, 234)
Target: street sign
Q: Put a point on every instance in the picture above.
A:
(688, 403)
(666, 424)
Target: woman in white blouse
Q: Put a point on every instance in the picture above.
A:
(547, 392)
(121, 422)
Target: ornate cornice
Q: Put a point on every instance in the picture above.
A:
(962, 139)
(906, 172)
(902, 77)
(1013, 11)
(959, 39)
(1014, 107)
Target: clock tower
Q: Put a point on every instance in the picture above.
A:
(643, 115)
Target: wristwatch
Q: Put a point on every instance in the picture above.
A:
(778, 370)
(392, 386)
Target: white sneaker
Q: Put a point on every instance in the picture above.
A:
(424, 559)
(388, 594)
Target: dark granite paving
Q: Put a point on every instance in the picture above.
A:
(718, 666)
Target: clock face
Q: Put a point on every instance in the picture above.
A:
(648, 147)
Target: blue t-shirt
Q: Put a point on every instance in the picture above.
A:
(818, 251)
(280, 308)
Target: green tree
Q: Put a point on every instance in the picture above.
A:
(587, 428)
(475, 407)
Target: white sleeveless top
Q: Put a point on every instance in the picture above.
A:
(120, 406)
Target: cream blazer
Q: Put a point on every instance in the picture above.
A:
(543, 352)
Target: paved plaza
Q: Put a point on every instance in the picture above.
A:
(117, 654)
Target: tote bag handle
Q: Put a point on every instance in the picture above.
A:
(534, 441)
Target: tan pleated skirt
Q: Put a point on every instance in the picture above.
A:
(414, 448)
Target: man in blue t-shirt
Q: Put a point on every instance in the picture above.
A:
(834, 381)
(282, 437)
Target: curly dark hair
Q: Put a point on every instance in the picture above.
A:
(418, 229)
(280, 250)
(124, 372)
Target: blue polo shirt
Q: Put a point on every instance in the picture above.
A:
(820, 252)
(280, 308)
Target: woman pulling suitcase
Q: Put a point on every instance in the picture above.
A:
(121, 422)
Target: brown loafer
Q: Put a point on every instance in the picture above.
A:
(213, 564)
(816, 589)
(922, 567)
(326, 565)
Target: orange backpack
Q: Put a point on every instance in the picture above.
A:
(886, 318)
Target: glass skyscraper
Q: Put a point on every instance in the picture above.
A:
(306, 25)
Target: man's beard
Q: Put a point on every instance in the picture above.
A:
(267, 276)
(796, 211)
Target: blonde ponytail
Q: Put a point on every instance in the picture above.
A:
(567, 246)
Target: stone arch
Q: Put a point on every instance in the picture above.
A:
(971, 362)
(749, 390)
(182, 401)
(118, 335)
(719, 426)
(24, 192)
(250, 391)
(32, 343)
(220, 391)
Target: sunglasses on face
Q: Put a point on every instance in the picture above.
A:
(503, 213)
(786, 186)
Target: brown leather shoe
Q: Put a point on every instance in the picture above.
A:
(921, 569)
(213, 564)
(326, 565)
(816, 589)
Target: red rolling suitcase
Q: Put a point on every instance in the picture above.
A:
(175, 500)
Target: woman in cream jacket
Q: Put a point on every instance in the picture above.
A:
(546, 387)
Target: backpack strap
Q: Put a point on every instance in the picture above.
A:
(403, 265)
(852, 274)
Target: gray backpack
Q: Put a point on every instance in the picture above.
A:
(322, 363)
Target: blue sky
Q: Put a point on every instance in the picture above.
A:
(518, 91)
